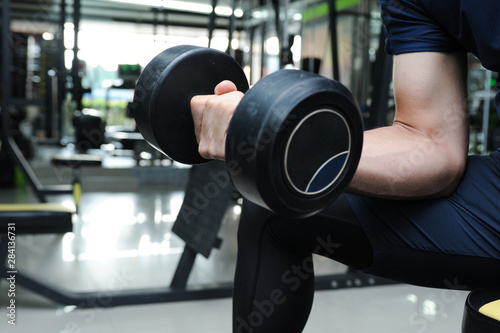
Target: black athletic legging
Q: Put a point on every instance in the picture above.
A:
(445, 243)
(274, 282)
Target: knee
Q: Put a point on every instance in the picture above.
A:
(253, 218)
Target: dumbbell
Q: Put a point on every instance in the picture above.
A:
(293, 142)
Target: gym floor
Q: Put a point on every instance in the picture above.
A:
(122, 240)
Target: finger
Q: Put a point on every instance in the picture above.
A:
(226, 106)
(206, 130)
(197, 110)
(225, 87)
(211, 117)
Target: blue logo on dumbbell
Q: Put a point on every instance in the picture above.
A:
(317, 152)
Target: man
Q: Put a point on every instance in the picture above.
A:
(418, 210)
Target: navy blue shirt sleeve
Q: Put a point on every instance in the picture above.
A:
(444, 26)
(408, 28)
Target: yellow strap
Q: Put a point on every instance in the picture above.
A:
(77, 193)
(41, 207)
(491, 309)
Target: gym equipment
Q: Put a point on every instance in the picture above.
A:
(161, 104)
(90, 129)
(292, 145)
(45, 218)
(208, 195)
(332, 20)
(23, 219)
(76, 162)
(482, 311)
(381, 82)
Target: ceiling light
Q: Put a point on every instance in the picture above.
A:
(48, 36)
(184, 5)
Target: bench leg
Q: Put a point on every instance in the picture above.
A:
(3, 256)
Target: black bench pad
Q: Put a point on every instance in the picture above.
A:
(77, 160)
(46, 218)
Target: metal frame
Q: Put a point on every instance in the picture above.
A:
(8, 141)
(332, 19)
(381, 81)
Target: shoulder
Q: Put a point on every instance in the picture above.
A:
(475, 27)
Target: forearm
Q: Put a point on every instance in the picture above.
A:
(398, 162)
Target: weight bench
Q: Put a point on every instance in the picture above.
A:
(482, 311)
(23, 219)
(44, 218)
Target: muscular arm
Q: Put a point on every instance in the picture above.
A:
(423, 153)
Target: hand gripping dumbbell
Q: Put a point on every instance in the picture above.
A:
(292, 145)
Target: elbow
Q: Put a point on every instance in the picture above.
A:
(451, 176)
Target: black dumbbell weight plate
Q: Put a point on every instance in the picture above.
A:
(165, 88)
(294, 142)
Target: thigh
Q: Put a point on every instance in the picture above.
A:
(334, 233)
(440, 242)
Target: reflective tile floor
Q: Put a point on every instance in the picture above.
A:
(122, 240)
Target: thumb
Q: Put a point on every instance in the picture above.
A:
(225, 87)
